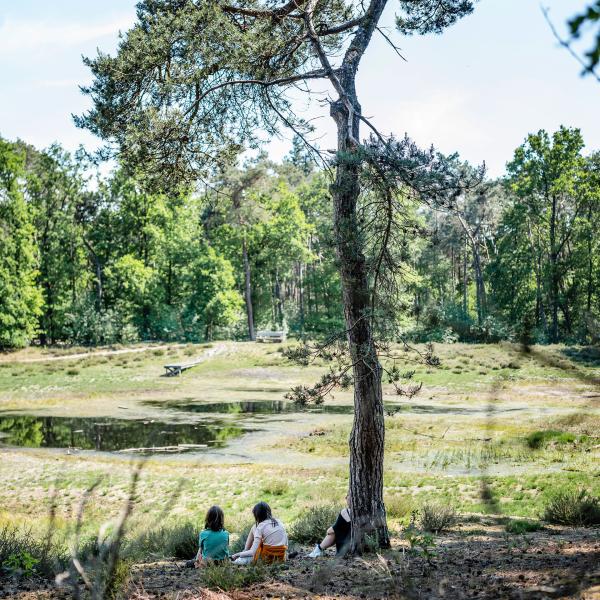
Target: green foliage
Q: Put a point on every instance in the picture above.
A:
(20, 299)
(421, 544)
(24, 554)
(178, 540)
(311, 525)
(227, 576)
(436, 518)
(540, 439)
(572, 506)
(521, 526)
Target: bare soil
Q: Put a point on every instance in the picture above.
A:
(472, 561)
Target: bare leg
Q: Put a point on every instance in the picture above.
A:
(328, 540)
(249, 540)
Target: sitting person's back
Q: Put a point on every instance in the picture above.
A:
(214, 539)
(267, 540)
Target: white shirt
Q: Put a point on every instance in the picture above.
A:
(268, 533)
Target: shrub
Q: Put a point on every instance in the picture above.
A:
(173, 541)
(436, 517)
(520, 526)
(227, 576)
(576, 507)
(72, 372)
(240, 542)
(398, 507)
(277, 487)
(539, 439)
(311, 525)
(21, 553)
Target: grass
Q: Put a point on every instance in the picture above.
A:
(464, 445)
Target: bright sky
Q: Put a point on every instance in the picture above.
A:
(477, 89)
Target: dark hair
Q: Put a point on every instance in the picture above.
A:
(262, 512)
(215, 519)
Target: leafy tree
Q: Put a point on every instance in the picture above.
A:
(546, 175)
(20, 299)
(192, 82)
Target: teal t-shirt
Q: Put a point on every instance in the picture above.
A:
(214, 544)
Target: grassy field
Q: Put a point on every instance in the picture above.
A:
(493, 431)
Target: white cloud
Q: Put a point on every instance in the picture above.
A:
(17, 37)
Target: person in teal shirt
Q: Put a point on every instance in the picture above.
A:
(213, 543)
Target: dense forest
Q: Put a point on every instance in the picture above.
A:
(90, 259)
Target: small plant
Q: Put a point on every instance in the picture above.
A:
(310, 527)
(421, 544)
(576, 507)
(227, 576)
(240, 542)
(21, 563)
(436, 517)
(172, 541)
(22, 553)
(72, 372)
(521, 526)
(277, 487)
(397, 507)
(539, 439)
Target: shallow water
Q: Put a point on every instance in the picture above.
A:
(109, 435)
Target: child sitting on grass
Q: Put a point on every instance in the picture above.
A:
(214, 539)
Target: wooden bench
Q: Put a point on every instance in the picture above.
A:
(270, 336)
(177, 369)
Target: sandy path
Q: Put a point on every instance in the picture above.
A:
(91, 354)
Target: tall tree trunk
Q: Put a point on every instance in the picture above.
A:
(465, 303)
(98, 266)
(301, 295)
(248, 290)
(554, 272)
(368, 429)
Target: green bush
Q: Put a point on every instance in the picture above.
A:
(227, 576)
(277, 487)
(539, 439)
(520, 526)
(576, 507)
(436, 518)
(397, 507)
(172, 541)
(240, 541)
(22, 553)
(312, 524)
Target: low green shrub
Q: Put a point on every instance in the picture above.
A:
(398, 507)
(436, 517)
(576, 507)
(240, 542)
(227, 576)
(24, 554)
(520, 526)
(539, 439)
(173, 541)
(277, 487)
(311, 525)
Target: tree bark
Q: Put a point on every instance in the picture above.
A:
(248, 290)
(368, 429)
(554, 271)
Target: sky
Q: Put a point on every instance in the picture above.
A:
(478, 89)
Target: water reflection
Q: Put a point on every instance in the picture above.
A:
(113, 434)
(273, 407)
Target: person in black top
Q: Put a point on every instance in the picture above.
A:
(340, 534)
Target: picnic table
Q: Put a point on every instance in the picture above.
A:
(178, 368)
(270, 336)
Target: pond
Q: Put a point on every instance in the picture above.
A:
(110, 435)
